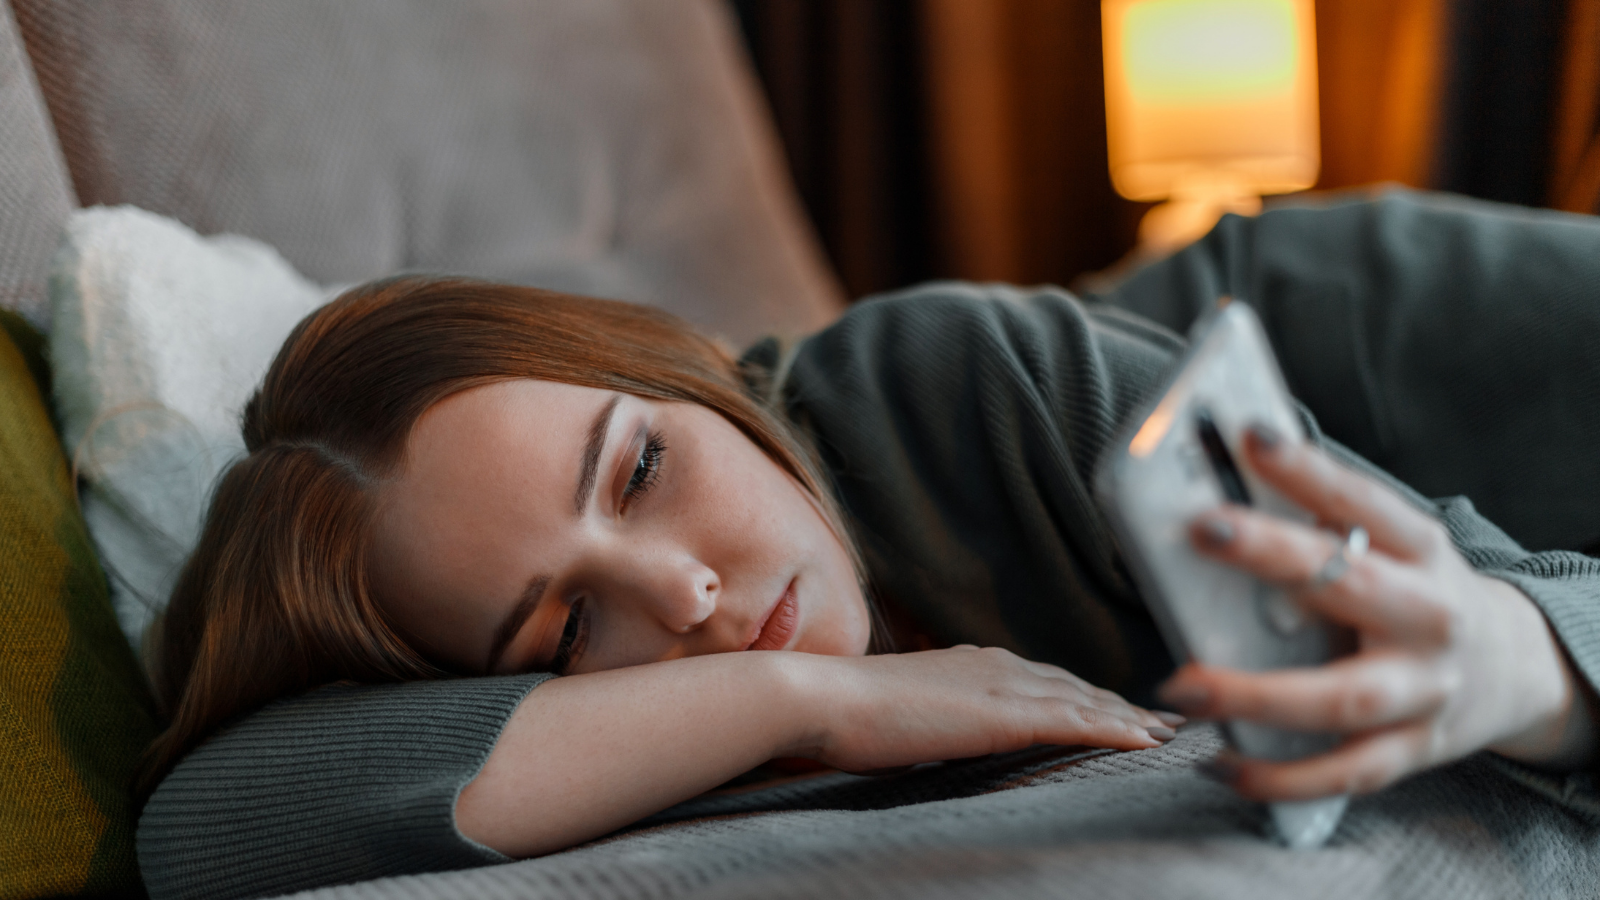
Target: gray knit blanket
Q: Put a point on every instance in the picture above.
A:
(1059, 823)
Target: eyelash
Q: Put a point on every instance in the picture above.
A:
(575, 633)
(648, 469)
(574, 637)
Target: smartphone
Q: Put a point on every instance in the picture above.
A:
(1180, 457)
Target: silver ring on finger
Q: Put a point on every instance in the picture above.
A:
(1353, 547)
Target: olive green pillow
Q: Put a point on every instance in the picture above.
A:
(74, 709)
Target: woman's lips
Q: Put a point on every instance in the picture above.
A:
(780, 624)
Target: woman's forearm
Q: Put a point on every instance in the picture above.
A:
(587, 754)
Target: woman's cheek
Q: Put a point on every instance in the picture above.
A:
(841, 626)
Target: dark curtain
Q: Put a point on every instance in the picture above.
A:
(844, 79)
(1574, 180)
(1504, 64)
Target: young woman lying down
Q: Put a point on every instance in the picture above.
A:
(618, 567)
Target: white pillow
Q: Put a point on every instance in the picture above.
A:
(159, 337)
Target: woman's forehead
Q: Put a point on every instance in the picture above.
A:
(510, 431)
(523, 414)
(488, 473)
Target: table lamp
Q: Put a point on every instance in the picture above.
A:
(1209, 105)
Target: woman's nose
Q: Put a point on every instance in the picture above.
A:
(691, 602)
(677, 590)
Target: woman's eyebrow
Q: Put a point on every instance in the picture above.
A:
(588, 469)
(512, 623)
(591, 454)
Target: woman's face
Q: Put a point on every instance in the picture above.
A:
(536, 525)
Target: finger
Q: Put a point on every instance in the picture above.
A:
(1062, 684)
(1085, 691)
(1107, 700)
(1088, 692)
(1085, 695)
(1359, 693)
(1160, 725)
(1156, 726)
(1313, 480)
(1374, 593)
(1358, 766)
(1098, 695)
(1065, 722)
(1092, 708)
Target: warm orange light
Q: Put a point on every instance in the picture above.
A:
(1210, 98)
(1149, 435)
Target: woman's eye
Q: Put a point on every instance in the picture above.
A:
(647, 469)
(574, 637)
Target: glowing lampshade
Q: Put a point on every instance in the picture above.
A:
(1211, 103)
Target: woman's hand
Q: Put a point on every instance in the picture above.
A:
(1449, 661)
(880, 712)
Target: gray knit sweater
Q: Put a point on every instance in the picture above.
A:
(1449, 342)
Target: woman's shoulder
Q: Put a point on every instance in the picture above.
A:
(944, 316)
(948, 336)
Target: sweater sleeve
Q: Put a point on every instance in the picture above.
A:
(343, 784)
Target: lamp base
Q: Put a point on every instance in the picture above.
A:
(1169, 227)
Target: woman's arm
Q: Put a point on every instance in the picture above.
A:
(1450, 660)
(587, 754)
(353, 782)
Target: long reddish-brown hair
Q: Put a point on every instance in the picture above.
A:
(275, 599)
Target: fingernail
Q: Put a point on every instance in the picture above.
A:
(1215, 532)
(1186, 696)
(1267, 437)
(1161, 734)
(1171, 718)
(1220, 769)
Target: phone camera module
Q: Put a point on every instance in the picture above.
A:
(1222, 464)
